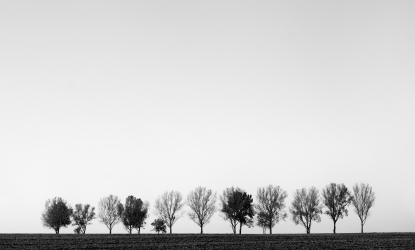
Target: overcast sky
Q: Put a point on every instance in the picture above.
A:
(139, 97)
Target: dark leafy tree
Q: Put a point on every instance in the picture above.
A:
(57, 214)
(306, 207)
(159, 226)
(133, 214)
(108, 211)
(168, 207)
(363, 201)
(270, 206)
(228, 214)
(81, 217)
(336, 198)
(144, 214)
(237, 206)
(202, 204)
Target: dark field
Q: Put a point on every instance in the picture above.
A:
(209, 241)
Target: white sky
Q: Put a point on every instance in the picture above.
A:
(139, 97)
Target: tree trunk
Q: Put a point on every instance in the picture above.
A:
(334, 229)
(170, 229)
(110, 229)
(362, 227)
(139, 230)
(270, 230)
(57, 230)
(201, 230)
(240, 228)
(308, 230)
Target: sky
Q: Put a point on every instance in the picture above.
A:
(140, 97)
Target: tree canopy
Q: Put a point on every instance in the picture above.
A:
(57, 214)
(336, 198)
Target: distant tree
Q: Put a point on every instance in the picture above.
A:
(57, 214)
(227, 213)
(202, 206)
(270, 206)
(144, 215)
(336, 198)
(168, 207)
(81, 217)
(159, 226)
(262, 222)
(306, 207)
(237, 208)
(108, 211)
(363, 200)
(133, 214)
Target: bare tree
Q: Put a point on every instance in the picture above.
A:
(82, 216)
(270, 206)
(108, 211)
(306, 207)
(202, 204)
(363, 200)
(168, 207)
(336, 198)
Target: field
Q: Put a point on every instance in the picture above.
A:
(209, 241)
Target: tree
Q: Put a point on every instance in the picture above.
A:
(168, 207)
(336, 198)
(306, 207)
(159, 226)
(57, 214)
(363, 200)
(262, 222)
(144, 215)
(270, 206)
(108, 211)
(81, 217)
(133, 214)
(202, 204)
(237, 207)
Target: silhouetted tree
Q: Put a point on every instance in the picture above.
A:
(227, 212)
(306, 207)
(202, 204)
(57, 214)
(159, 226)
(168, 207)
(144, 215)
(363, 200)
(336, 198)
(133, 213)
(108, 211)
(262, 222)
(81, 217)
(237, 206)
(271, 202)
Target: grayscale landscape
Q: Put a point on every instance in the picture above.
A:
(178, 124)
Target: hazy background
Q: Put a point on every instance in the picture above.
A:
(139, 97)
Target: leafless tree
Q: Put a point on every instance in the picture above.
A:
(108, 211)
(336, 198)
(202, 206)
(306, 207)
(271, 202)
(363, 200)
(168, 207)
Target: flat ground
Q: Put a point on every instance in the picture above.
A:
(209, 241)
